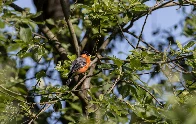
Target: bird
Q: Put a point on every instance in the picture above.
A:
(79, 65)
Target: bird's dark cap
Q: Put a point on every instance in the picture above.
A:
(85, 52)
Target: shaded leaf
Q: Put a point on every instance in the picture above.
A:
(25, 34)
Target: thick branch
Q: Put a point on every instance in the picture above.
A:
(107, 41)
(86, 83)
(65, 7)
(46, 31)
(56, 43)
(84, 40)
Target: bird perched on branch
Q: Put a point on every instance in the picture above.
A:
(80, 65)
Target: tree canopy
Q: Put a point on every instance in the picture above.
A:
(37, 49)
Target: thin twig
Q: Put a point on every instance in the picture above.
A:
(176, 59)
(64, 93)
(85, 77)
(187, 88)
(116, 81)
(157, 6)
(150, 94)
(147, 92)
(11, 91)
(13, 97)
(142, 30)
(125, 36)
(79, 83)
(144, 73)
(42, 110)
(136, 17)
(94, 61)
(155, 63)
(143, 41)
(49, 102)
(41, 36)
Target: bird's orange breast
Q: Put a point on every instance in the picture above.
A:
(88, 61)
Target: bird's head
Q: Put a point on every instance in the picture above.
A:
(85, 53)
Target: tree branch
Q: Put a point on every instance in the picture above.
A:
(150, 94)
(65, 7)
(140, 86)
(107, 41)
(125, 36)
(46, 31)
(42, 110)
(157, 6)
(79, 83)
(142, 31)
(84, 40)
(155, 63)
(142, 41)
(190, 2)
(86, 83)
(116, 81)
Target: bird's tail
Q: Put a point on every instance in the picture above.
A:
(69, 79)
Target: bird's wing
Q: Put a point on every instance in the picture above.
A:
(77, 64)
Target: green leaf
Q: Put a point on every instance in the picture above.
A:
(72, 57)
(181, 2)
(44, 99)
(135, 63)
(194, 54)
(2, 24)
(85, 11)
(105, 66)
(57, 106)
(2, 38)
(50, 21)
(69, 118)
(14, 46)
(40, 74)
(36, 14)
(189, 45)
(117, 61)
(101, 97)
(25, 34)
(91, 110)
(106, 2)
(33, 25)
(76, 107)
(179, 45)
(124, 90)
(126, 19)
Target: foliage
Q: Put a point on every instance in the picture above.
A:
(118, 91)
